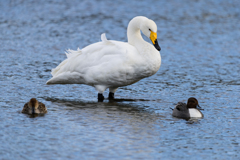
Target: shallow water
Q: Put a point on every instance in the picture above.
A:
(200, 57)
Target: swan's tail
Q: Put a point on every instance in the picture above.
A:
(55, 70)
(69, 53)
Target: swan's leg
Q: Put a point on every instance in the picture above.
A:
(100, 89)
(110, 96)
(100, 97)
(111, 93)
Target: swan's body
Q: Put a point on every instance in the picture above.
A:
(112, 64)
(34, 107)
(189, 110)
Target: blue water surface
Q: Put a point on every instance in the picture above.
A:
(200, 43)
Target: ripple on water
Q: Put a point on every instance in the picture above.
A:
(200, 58)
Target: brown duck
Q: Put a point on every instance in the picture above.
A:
(34, 107)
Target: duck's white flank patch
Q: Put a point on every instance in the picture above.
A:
(194, 112)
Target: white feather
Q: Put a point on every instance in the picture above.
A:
(103, 37)
(70, 53)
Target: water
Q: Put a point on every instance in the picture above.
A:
(200, 57)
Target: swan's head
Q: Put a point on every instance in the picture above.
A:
(149, 29)
(33, 106)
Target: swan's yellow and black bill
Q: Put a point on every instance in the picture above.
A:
(153, 37)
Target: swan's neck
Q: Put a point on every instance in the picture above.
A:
(133, 31)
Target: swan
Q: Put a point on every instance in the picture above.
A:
(112, 64)
(33, 107)
(189, 110)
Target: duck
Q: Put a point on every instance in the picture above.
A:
(34, 107)
(189, 110)
(111, 64)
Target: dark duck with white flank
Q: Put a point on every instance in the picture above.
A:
(189, 110)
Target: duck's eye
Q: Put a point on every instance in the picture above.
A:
(149, 29)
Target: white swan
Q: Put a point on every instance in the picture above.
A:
(112, 64)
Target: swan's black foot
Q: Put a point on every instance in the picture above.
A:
(111, 96)
(100, 97)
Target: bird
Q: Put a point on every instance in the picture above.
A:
(110, 64)
(189, 110)
(34, 107)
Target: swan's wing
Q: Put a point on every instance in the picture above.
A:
(105, 62)
(70, 54)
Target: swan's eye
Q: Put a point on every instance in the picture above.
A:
(149, 29)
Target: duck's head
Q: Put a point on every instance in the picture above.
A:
(33, 106)
(149, 29)
(193, 103)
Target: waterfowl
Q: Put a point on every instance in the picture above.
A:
(34, 107)
(112, 64)
(189, 110)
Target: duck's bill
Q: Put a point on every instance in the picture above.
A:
(33, 110)
(153, 37)
(157, 46)
(198, 107)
